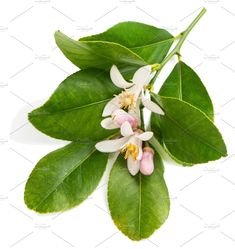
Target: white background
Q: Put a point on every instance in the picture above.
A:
(202, 198)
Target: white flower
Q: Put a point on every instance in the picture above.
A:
(128, 98)
(130, 144)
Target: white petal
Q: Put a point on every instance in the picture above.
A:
(110, 107)
(118, 112)
(108, 124)
(126, 129)
(111, 145)
(140, 154)
(133, 165)
(118, 79)
(145, 136)
(152, 106)
(142, 76)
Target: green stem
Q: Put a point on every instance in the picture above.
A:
(176, 50)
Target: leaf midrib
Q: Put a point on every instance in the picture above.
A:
(154, 43)
(68, 109)
(66, 176)
(180, 83)
(140, 211)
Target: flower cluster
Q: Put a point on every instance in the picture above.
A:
(123, 112)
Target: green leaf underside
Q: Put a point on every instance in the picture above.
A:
(74, 111)
(64, 178)
(149, 42)
(98, 54)
(188, 134)
(138, 204)
(183, 83)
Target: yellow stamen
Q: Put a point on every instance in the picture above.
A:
(127, 100)
(130, 150)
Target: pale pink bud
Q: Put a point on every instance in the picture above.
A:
(119, 117)
(146, 163)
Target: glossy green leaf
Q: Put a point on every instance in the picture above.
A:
(98, 54)
(183, 83)
(149, 42)
(64, 178)
(74, 111)
(188, 134)
(138, 204)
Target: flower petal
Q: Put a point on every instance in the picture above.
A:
(145, 136)
(118, 112)
(139, 144)
(152, 106)
(111, 145)
(133, 165)
(118, 79)
(108, 124)
(126, 129)
(142, 76)
(136, 112)
(110, 107)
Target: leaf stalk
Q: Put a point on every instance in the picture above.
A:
(176, 51)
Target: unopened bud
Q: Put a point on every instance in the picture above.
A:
(119, 117)
(146, 163)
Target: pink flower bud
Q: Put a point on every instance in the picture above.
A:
(119, 117)
(146, 163)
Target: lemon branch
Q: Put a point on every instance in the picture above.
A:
(176, 50)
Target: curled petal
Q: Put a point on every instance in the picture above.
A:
(141, 78)
(143, 75)
(108, 124)
(118, 79)
(152, 106)
(133, 165)
(111, 145)
(145, 136)
(110, 107)
(126, 129)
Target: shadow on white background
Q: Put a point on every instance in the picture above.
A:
(22, 131)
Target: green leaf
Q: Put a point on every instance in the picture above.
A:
(188, 134)
(149, 42)
(64, 178)
(74, 111)
(98, 54)
(138, 204)
(184, 84)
